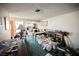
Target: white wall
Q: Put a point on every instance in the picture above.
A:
(4, 35)
(67, 22)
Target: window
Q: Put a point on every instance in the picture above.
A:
(6, 22)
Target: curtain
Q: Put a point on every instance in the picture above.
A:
(12, 27)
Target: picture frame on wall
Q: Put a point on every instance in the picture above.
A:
(0, 20)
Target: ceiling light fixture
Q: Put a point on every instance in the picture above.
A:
(37, 10)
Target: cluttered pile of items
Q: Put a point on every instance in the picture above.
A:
(8, 48)
(54, 43)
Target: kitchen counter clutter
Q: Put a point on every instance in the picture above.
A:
(55, 44)
(50, 46)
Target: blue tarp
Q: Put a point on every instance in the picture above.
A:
(34, 49)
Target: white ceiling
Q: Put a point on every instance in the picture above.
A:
(48, 10)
